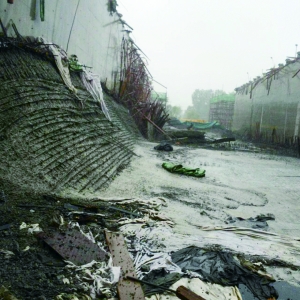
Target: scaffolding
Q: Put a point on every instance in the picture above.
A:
(221, 110)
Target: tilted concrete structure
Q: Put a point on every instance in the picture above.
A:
(268, 107)
(52, 139)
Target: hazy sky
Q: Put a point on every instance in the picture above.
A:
(211, 44)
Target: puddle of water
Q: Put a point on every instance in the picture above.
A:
(286, 291)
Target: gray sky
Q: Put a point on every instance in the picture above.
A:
(211, 44)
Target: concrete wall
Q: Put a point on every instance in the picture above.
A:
(81, 27)
(269, 107)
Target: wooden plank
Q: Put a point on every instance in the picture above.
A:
(127, 289)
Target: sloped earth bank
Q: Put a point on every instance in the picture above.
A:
(237, 185)
(247, 205)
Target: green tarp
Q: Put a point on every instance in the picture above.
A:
(196, 172)
(202, 125)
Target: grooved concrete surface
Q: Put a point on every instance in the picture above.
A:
(51, 140)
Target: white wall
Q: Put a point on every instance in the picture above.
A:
(276, 110)
(95, 36)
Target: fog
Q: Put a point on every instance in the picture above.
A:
(198, 44)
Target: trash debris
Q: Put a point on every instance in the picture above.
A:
(60, 57)
(161, 278)
(85, 217)
(204, 290)
(258, 222)
(196, 172)
(32, 228)
(74, 296)
(118, 249)
(163, 146)
(223, 268)
(181, 292)
(92, 83)
(73, 246)
(97, 278)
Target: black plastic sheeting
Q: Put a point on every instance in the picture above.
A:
(159, 277)
(223, 268)
(258, 222)
(163, 146)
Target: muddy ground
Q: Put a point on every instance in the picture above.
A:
(241, 183)
(245, 183)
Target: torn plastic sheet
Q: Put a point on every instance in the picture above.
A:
(161, 278)
(31, 227)
(61, 59)
(91, 82)
(97, 278)
(266, 245)
(208, 291)
(236, 239)
(226, 269)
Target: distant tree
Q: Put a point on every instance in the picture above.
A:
(174, 111)
(201, 102)
(191, 113)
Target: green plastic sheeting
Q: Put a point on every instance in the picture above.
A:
(196, 172)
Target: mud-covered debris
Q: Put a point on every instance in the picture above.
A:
(73, 296)
(85, 217)
(73, 246)
(163, 146)
(258, 222)
(224, 268)
(160, 277)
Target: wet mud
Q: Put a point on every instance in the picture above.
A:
(237, 185)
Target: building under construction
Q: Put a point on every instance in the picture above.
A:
(221, 110)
